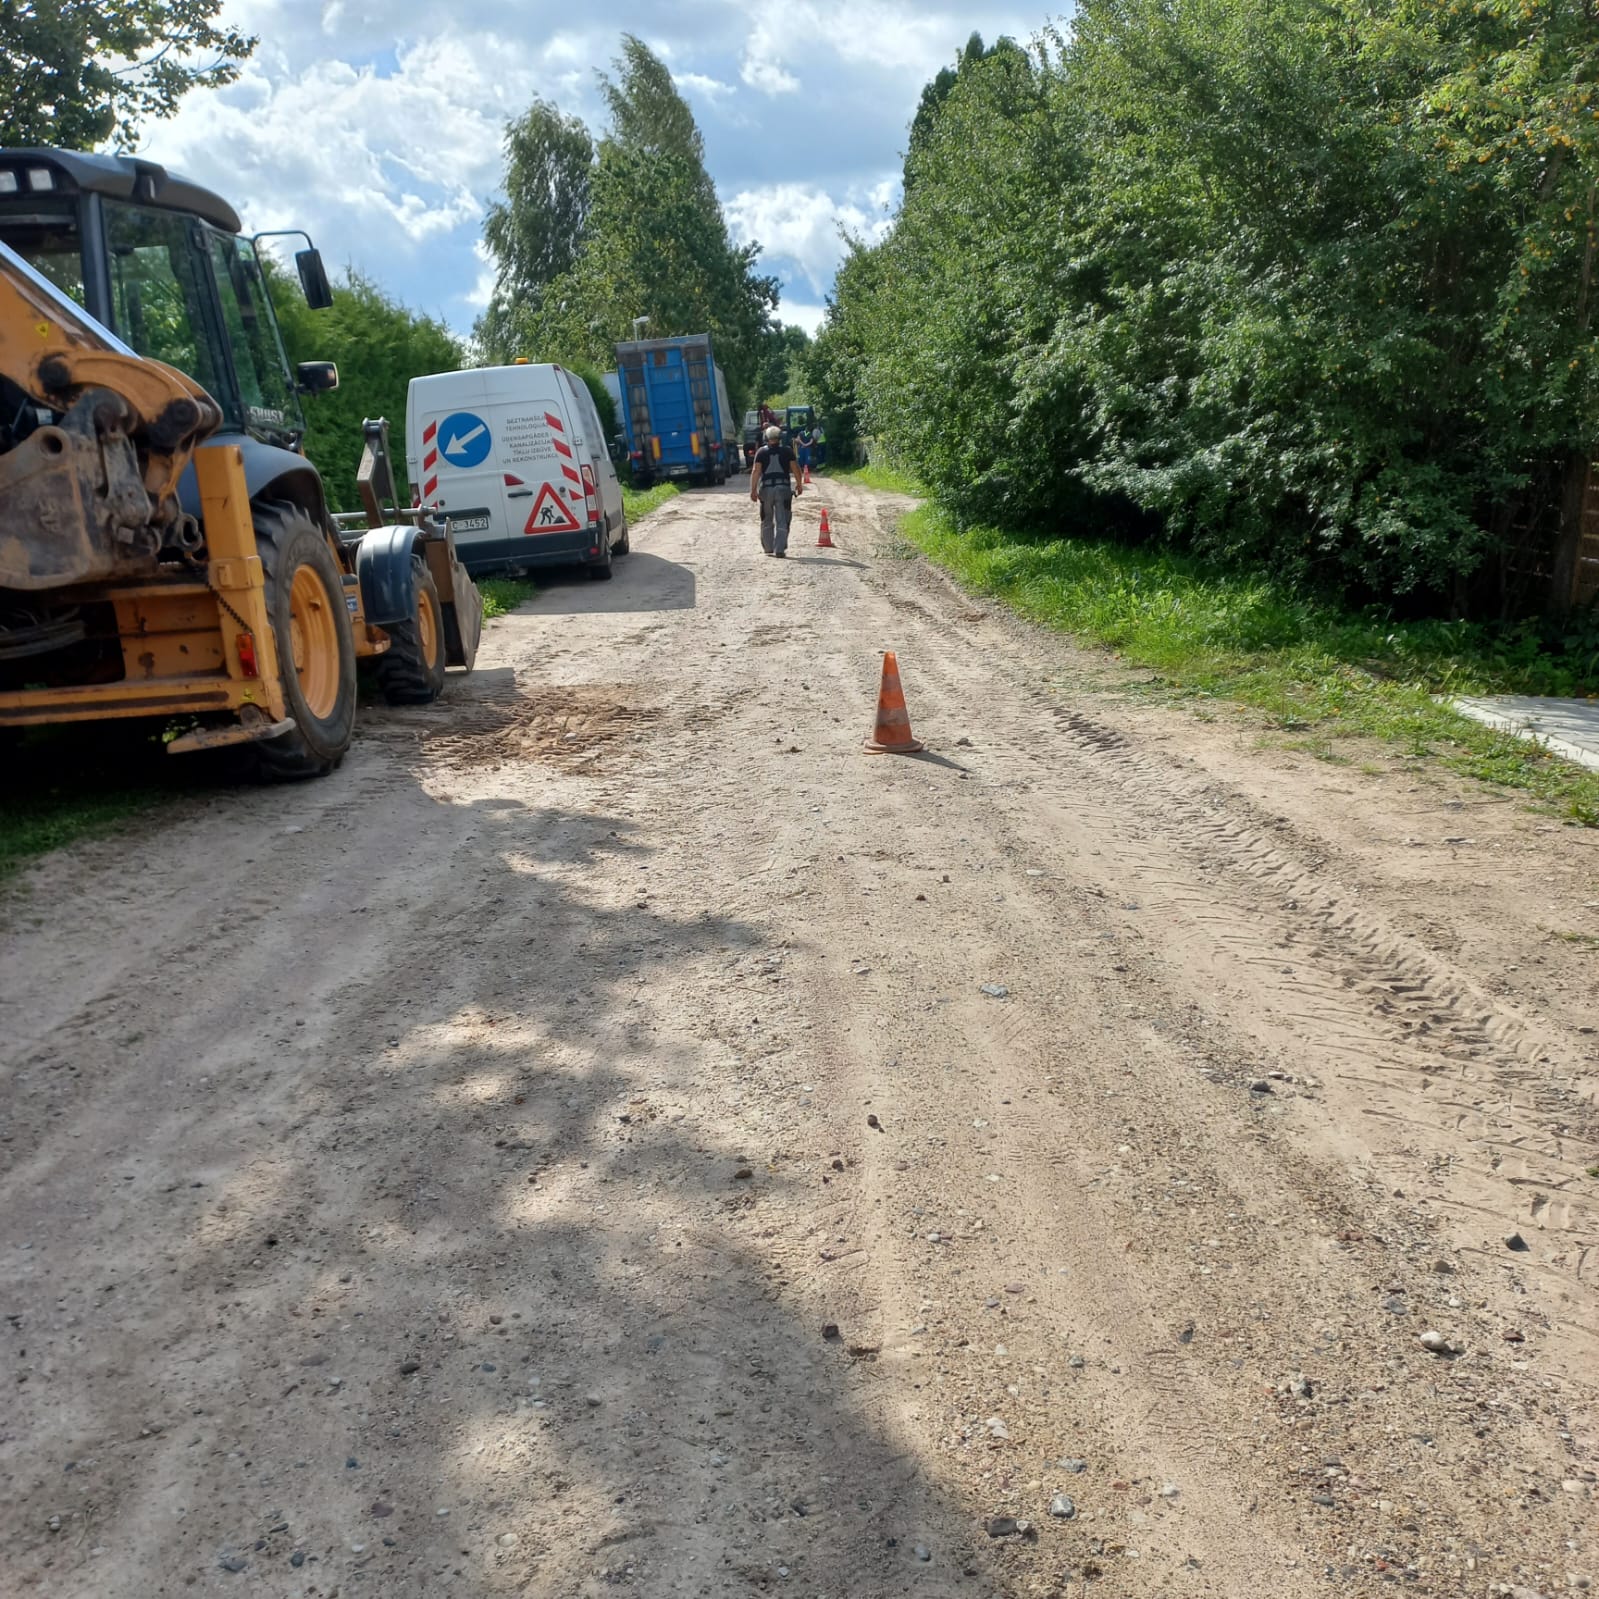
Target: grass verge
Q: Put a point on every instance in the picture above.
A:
(82, 781)
(1318, 673)
(640, 502)
(36, 824)
(503, 594)
(873, 476)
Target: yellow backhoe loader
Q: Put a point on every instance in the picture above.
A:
(165, 548)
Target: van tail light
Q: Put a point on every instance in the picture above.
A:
(591, 494)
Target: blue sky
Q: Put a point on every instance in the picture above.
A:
(378, 126)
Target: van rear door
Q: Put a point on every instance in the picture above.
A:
(538, 440)
(449, 451)
(496, 456)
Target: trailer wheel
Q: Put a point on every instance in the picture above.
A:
(316, 652)
(411, 670)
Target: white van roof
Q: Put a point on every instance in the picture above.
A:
(489, 383)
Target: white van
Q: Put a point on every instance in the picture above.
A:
(515, 460)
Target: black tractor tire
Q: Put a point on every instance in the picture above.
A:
(303, 577)
(624, 541)
(411, 670)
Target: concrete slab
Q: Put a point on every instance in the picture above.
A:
(1568, 728)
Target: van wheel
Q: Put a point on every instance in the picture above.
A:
(624, 541)
(316, 652)
(601, 569)
(411, 670)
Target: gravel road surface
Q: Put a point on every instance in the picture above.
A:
(616, 1135)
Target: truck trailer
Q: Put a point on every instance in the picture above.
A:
(675, 412)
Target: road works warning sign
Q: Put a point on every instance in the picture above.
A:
(550, 515)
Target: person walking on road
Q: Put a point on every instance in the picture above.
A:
(774, 482)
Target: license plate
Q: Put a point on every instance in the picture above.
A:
(475, 522)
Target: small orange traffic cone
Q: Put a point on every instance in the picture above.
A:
(807, 474)
(824, 540)
(892, 734)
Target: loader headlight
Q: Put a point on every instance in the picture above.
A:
(41, 178)
(8, 183)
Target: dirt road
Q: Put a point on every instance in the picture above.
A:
(616, 1135)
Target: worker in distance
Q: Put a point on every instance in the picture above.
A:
(774, 484)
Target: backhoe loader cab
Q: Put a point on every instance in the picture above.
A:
(165, 546)
(162, 264)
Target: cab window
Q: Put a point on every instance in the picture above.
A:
(47, 239)
(252, 336)
(158, 291)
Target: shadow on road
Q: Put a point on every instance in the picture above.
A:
(825, 560)
(444, 1284)
(641, 582)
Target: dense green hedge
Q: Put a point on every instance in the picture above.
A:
(1296, 283)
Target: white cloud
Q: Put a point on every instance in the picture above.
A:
(378, 124)
(795, 315)
(908, 40)
(698, 83)
(483, 290)
(766, 75)
(802, 223)
(368, 160)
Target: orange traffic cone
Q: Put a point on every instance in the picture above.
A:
(824, 540)
(807, 474)
(892, 734)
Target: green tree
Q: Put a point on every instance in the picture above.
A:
(938, 90)
(782, 354)
(78, 73)
(379, 346)
(1303, 283)
(654, 243)
(536, 231)
(834, 368)
(647, 112)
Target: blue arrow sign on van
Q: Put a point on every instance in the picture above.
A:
(464, 439)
